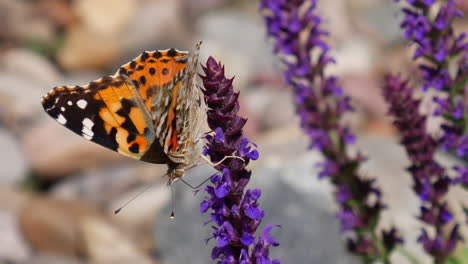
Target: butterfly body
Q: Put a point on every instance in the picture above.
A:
(149, 110)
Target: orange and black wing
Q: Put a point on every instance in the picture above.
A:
(153, 70)
(110, 112)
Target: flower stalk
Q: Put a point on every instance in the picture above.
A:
(442, 56)
(235, 211)
(299, 40)
(431, 183)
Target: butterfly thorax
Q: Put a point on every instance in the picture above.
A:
(186, 161)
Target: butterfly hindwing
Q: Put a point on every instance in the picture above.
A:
(109, 112)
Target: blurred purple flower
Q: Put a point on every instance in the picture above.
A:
(235, 211)
(430, 182)
(320, 101)
(349, 219)
(443, 60)
(463, 178)
(440, 247)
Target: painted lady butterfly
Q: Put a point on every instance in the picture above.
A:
(148, 110)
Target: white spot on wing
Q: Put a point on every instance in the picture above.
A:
(61, 119)
(87, 131)
(88, 123)
(82, 103)
(69, 103)
(62, 109)
(87, 126)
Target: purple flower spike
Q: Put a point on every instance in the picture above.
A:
(442, 57)
(299, 38)
(235, 211)
(430, 182)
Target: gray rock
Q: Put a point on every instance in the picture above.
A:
(30, 66)
(291, 197)
(54, 151)
(14, 248)
(383, 19)
(25, 77)
(168, 30)
(272, 107)
(102, 185)
(12, 163)
(52, 259)
(23, 96)
(245, 52)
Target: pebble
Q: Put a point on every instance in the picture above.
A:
(54, 151)
(85, 49)
(105, 185)
(22, 22)
(55, 226)
(169, 30)
(26, 77)
(42, 258)
(14, 248)
(13, 166)
(31, 66)
(272, 108)
(106, 244)
(105, 17)
(245, 52)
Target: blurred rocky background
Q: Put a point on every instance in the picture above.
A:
(58, 191)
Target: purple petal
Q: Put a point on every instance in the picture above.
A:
(247, 239)
(222, 190)
(254, 213)
(204, 206)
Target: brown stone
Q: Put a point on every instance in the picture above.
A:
(53, 151)
(53, 225)
(84, 49)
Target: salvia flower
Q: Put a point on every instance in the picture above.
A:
(235, 212)
(431, 183)
(299, 39)
(442, 56)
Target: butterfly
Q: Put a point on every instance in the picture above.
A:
(151, 109)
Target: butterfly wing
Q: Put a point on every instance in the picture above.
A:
(165, 82)
(153, 70)
(109, 112)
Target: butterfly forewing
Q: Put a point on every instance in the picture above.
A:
(105, 112)
(152, 70)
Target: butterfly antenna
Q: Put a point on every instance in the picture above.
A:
(134, 197)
